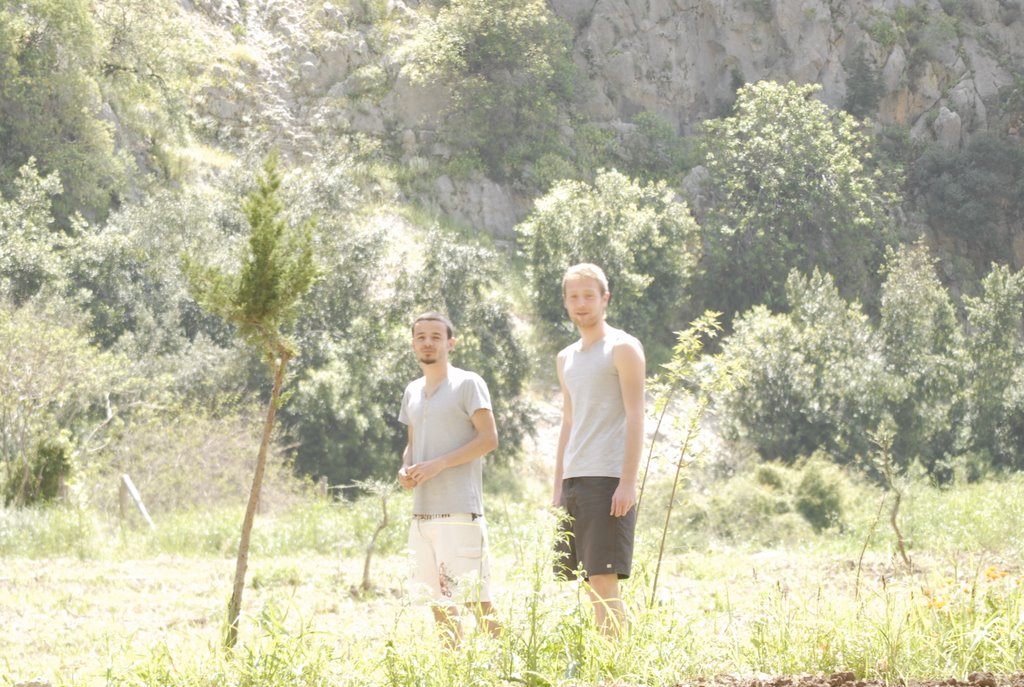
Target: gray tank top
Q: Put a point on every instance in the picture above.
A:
(597, 439)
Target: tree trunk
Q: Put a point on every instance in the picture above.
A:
(235, 605)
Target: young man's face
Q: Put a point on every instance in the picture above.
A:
(430, 342)
(584, 301)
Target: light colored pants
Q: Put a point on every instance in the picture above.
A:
(450, 559)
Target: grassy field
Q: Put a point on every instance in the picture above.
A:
(83, 602)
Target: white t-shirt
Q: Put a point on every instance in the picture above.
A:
(441, 423)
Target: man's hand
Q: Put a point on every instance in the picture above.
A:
(556, 498)
(421, 472)
(623, 499)
(404, 479)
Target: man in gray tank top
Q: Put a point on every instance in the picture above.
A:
(450, 428)
(602, 379)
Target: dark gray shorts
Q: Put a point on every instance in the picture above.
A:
(591, 537)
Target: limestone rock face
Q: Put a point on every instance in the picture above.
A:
(480, 203)
(308, 75)
(683, 59)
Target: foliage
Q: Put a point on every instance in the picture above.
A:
(30, 244)
(799, 196)
(864, 88)
(815, 376)
(993, 372)
(818, 498)
(50, 104)
(654, 151)
(148, 54)
(55, 383)
(640, 234)
(920, 336)
(509, 67)
(974, 194)
(277, 269)
(45, 474)
(344, 414)
(823, 377)
(189, 457)
(127, 274)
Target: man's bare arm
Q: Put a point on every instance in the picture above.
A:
(629, 361)
(485, 441)
(563, 433)
(404, 479)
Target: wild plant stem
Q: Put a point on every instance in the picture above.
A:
(650, 452)
(690, 432)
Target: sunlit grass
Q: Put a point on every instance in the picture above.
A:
(87, 604)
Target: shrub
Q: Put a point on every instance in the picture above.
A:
(974, 194)
(510, 69)
(815, 375)
(990, 359)
(920, 337)
(818, 498)
(800, 196)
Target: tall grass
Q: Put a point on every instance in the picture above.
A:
(726, 607)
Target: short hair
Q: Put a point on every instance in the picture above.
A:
(586, 270)
(433, 316)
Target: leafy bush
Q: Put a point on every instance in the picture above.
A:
(30, 259)
(974, 194)
(818, 498)
(821, 376)
(991, 361)
(510, 69)
(815, 375)
(50, 103)
(800, 196)
(920, 338)
(640, 234)
(44, 475)
(54, 381)
(864, 88)
(654, 151)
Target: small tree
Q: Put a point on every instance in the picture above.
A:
(277, 269)
(797, 196)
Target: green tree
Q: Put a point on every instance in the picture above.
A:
(992, 368)
(790, 188)
(864, 88)
(148, 56)
(508, 64)
(30, 258)
(920, 338)
(815, 375)
(54, 382)
(643, 237)
(260, 299)
(50, 102)
(654, 151)
(974, 195)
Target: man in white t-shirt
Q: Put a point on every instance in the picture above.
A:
(451, 427)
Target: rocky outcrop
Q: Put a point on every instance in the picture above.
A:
(683, 59)
(306, 78)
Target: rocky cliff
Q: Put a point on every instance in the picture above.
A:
(943, 70)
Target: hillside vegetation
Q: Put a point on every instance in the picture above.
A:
(452, 155)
